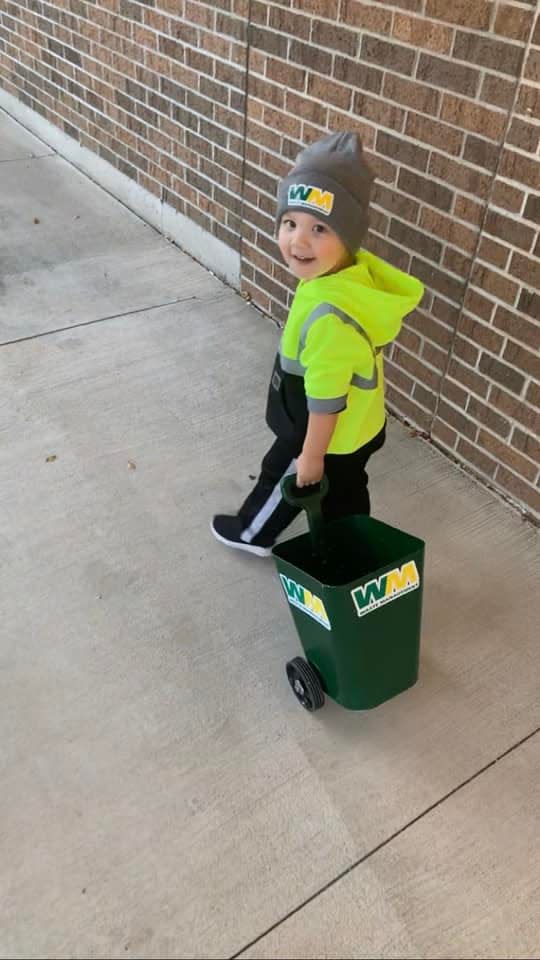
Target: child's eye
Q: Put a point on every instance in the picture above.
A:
(319, 228)
(289, 223)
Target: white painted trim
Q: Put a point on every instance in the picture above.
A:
(212, 253)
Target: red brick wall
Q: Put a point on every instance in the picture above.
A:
(445, 95)
(488, 409)
(155, 88)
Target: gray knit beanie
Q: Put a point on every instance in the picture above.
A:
(332, 181)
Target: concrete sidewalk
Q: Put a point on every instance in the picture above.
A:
(163, 794)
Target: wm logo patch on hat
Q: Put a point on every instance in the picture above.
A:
(305, 196)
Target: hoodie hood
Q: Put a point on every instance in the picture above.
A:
(372, 291)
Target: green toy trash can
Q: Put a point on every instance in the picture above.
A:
(354, 587)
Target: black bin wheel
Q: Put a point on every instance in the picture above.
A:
(305, 684)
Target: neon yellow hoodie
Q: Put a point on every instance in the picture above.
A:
(336, 328)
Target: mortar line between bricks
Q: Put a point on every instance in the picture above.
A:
(384, 843)
(112, 316)
(244, 143)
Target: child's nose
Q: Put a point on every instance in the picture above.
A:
(302, 235)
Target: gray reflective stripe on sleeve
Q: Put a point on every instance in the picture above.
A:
(322, 311)
(291, 366)
(364, 383)
(267, 508)
(327, 406)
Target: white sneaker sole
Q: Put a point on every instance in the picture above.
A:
(247, 547)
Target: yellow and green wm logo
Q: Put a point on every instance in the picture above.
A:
(320, 201)
(300, 597)
(376, 593)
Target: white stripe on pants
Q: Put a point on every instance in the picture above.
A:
(267, 508)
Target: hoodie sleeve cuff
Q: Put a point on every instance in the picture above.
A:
(335, 405)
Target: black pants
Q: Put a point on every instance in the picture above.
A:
(264, 515)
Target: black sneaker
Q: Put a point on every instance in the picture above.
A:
(228, 530)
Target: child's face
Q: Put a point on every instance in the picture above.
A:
(309, 247)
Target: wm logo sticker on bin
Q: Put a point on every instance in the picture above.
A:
(299, 596)
(375, 593)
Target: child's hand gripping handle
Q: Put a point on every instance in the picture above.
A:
(309, 499)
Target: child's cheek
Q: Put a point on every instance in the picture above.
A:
(282, 244)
